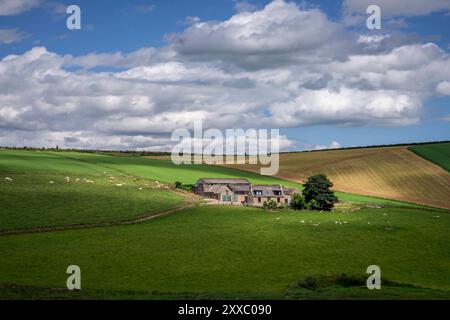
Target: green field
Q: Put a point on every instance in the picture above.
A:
(31, 201)
(244, 251)
(202, 252)
(438, 153)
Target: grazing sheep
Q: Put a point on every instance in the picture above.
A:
(119, 185)
(303, 221)
(8, 179)
(140, 188)
(436, 217)
(52, 182)
(67, 179)
(89, 181)
(77, 179)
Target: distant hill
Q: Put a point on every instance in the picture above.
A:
(389, 172)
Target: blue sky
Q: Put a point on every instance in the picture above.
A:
(123, 28)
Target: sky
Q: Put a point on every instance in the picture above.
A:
(138, 70)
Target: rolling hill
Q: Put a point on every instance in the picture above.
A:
(388, 172)
(200, 251)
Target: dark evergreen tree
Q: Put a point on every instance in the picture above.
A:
(318, 188)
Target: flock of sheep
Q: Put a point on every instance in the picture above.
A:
(112, 181)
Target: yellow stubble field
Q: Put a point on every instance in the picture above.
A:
(388, 172)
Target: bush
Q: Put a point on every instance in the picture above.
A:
(186, 187)
(314, 283)
(298, 202)
(270, 205)
(318, 188)
(313, 205)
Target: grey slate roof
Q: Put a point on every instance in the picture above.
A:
(224, 181)
(239, 187)
(267, 190)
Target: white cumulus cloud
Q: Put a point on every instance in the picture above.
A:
(270, 68)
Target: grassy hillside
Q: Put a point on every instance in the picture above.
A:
(146, 168)
(389, 172)
(203, 251)
(31, 201)
(233, 252)
(39, 195)
(438, 153)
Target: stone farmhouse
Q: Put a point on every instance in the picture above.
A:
(242, 192)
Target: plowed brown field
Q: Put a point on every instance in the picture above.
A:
(389, 172)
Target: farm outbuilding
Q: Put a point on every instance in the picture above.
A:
(241, 191)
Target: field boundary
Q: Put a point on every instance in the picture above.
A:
(191, 202)
(429, 159)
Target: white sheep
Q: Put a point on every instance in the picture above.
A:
(67, 179)
(89, 181)
(8, 179)
(52, 182)
(119, 185)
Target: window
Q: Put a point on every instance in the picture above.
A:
(258, 192)
(259, 200)
(277, 193)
